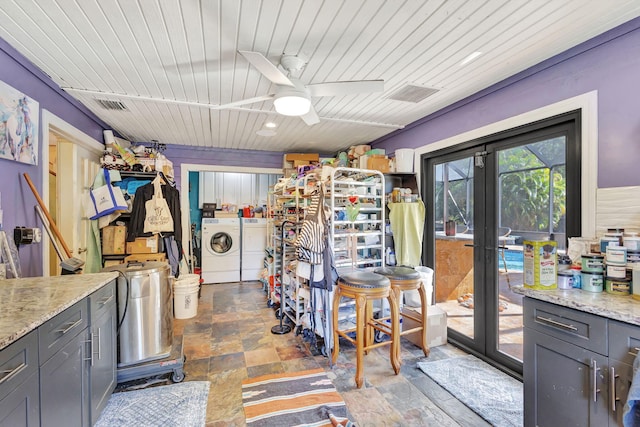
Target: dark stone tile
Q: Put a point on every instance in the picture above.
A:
(271, 368)
(226, 362)
(296, 351)
(196, 369)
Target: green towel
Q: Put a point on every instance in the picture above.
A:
(407, 226)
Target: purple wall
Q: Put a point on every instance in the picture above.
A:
(609, 63)
(17, 199)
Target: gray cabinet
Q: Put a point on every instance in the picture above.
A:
(103, 359)
(64, 382)
(19, 398)
(62, 373)
(577, 366)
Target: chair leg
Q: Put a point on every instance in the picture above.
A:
(425, 322)
(394, 350)
(361, 303)
(334, 317)
(396, 294)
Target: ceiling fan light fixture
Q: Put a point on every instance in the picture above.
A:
(292, 103)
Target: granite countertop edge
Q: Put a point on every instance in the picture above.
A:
(29, 302)
(621, 308)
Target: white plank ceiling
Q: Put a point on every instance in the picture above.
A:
(171, 62)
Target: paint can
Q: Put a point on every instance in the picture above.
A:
(592, 282)
(616, 271)
(593, 263)
(616, 286)
(606, 241)
(635, 283)
(632, 243)
(616, 255)
(565, 279)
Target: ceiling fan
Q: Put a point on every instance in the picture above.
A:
(293, 98)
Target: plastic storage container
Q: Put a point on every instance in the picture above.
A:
(404, 160)
(185, 296)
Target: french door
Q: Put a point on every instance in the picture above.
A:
(484, 199)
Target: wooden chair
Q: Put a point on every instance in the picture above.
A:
(365, 287)
(406, 279)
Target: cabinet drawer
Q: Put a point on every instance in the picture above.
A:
(624, 341)
(58, 331)
(17, 362)
(583, 329)
(102, 300)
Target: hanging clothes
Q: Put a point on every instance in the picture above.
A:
(138, 213)
(407, 226)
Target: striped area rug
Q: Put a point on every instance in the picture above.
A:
(298, 398)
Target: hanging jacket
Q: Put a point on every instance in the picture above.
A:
(138, 213)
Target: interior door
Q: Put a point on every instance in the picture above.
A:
(77, 168)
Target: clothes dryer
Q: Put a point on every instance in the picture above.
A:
(254, 242)
(221, 240)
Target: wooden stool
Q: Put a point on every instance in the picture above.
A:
(364, 287)
(407, 279)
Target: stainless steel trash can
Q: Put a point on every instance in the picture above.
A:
(145, 308)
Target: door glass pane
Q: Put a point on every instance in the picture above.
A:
(532, 206)
(453, 210)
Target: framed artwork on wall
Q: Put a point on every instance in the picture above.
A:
(18, 126)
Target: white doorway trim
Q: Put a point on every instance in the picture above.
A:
(52, 123)
(185, 168)
(588, 104)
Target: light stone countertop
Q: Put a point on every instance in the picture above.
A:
(622, 308)
(27, 303)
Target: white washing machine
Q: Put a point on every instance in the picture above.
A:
(254, 242)
(221, 250)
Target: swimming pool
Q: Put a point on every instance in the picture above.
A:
(514, 259)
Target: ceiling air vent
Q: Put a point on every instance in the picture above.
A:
(111, 105)
(412, 93)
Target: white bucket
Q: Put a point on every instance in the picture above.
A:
(412, 298)
(404, 160)
(185, 296)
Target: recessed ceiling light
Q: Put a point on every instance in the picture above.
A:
(470, 58)
(266, 132)
(270, 125)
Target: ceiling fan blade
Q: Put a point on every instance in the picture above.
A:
(311, 118)
(266, 67)
(242, 102)
(345, 88)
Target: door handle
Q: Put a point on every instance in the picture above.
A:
(596, 390)
(82, 250)
(612, 388)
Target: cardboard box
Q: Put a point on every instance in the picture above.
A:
(540, 264)
(293, 160)
(143, 245)
(112, 262)
(436, 328)
(221, 214)
(378, 162)
(146, 258)
(113, 239)
(308, 157)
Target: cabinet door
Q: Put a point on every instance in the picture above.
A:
(22, 406)
(64, 383)
(564, 385)
(103, 362)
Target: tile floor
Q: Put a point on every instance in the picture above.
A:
(230, 340)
